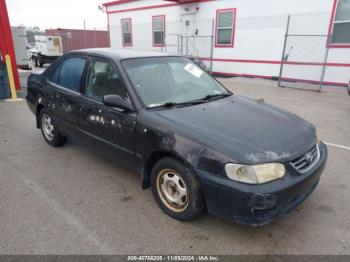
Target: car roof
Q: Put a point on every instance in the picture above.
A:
(120, 54)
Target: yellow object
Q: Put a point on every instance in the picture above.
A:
(11, 78)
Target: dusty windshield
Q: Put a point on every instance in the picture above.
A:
(171, 80)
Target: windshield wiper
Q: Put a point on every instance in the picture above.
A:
(167, 104)
(173, 104)
(209, 97)
(188, 103)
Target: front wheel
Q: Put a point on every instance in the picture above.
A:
(49, 129)
(176, 189)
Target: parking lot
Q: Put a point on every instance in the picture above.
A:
(71, 201)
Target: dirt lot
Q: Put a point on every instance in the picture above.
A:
(72, 201)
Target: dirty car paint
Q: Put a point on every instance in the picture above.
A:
(205, 137)
(247, 131)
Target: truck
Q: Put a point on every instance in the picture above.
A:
(46, 50)
(20, 43)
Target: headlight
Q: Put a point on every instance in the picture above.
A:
(255, 174)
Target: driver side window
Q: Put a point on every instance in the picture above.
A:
(103, 80)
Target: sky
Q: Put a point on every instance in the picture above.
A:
(57, 13)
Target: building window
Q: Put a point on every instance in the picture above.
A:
(158, 30)
(126, 32)
(341, 23)
(225, 27)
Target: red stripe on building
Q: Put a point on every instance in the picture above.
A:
(288, 79)
(274, 62)
(283, 79)
(176, 1)
(147, 7)
(242, 75)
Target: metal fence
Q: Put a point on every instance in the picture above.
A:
(194, 38)
(196, 46)
(292, 49)
(304, 60)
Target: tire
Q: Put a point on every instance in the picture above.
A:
(170, 179)
(349, 89)
(40, 61)
(49, 129)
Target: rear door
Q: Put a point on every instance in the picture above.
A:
(66, 83)
(108, 130)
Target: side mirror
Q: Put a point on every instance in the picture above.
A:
(117, 102)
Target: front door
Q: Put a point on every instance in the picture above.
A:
(109, 131)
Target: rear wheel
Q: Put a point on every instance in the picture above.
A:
(36, 62)
(176, 189)
(40, 61)
(49, 129)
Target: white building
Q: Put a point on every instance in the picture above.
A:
(243, 37)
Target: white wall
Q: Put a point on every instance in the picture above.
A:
(259, 34)
(142, 23)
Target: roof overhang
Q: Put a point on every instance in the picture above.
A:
(118, 2)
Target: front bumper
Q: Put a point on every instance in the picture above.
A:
(258, 205)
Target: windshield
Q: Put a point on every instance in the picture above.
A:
(170, 81)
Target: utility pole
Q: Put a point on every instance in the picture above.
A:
(85, 34)
(95, 39)
(69, 40)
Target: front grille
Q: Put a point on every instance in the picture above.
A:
(307, 161)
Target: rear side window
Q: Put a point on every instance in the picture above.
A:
(69, 73)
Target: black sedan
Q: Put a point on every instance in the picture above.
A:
(195, 143)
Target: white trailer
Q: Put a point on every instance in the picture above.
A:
(21, 47)
(47, 49)
(243, 38)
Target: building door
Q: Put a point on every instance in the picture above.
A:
(188, 33)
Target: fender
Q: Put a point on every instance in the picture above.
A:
(35, 97)
(154, 143)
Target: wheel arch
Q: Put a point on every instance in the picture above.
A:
(153, 158)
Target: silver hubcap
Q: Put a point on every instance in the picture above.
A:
(48, 127)
(172, 190)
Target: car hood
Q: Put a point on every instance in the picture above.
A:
(248, 131)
